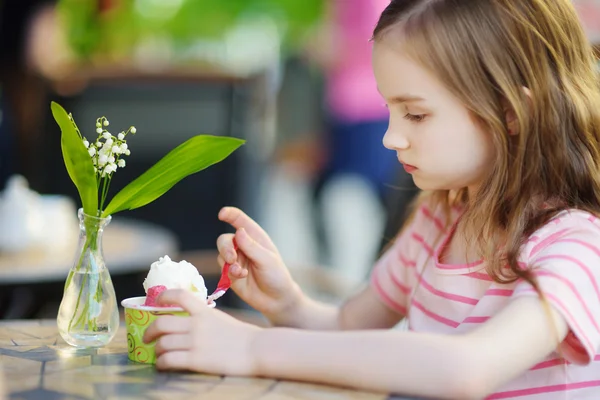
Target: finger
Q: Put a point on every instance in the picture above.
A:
(253, 250)
(166, 324)
(183, 298)
(226, 247)
(238, 219)
(236, 271)
(173, 342)
(175, 360)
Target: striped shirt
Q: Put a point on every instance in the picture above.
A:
(450, 299)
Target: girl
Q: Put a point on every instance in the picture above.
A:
(495, 111)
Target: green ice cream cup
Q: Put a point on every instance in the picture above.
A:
(139, 317)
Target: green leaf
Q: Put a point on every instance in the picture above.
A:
(190, 157)
(77, 160)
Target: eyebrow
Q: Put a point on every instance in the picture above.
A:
(404, 98)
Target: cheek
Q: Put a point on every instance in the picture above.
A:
(456, 146)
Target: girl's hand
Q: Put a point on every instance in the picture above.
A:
(258, 274)
(208, 341)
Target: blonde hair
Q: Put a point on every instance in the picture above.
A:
(533, 58)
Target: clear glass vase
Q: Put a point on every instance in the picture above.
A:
(88, 315)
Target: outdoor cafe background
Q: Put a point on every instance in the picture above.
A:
(175, 68)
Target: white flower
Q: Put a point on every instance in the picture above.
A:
(121, 163)
(99, 131)
(111, 159)
(116, 150)
(105, 122)
(102, 159)
(123, 147)
(98, 124)
(99, 144)
(86, 143)
(121, 136)
(106, 135)
(92, 151)
(108, 143)
(110, 168)
(133, 130)
(127, 152)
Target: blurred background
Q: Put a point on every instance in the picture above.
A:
(291, 77)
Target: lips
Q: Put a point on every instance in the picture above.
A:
(409, 168)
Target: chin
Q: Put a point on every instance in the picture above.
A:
(425, 184)
(430, 184)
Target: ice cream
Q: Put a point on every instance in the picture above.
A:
(166, 274)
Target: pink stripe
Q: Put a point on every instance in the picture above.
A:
(438, 223)
(395, 305)
(574, 290)
(550, 239)
(570, 320)
(406, 262)
(575, 261)
(597, 358)
(499, 292)
(445, 295)
(480, 276)
(543, 389)
(549, 364)
(556, 221)
(475, 320)
(592, 219)
(459, 266)
(403, 288)
(532, 239)
(421, 240)
(435, 316)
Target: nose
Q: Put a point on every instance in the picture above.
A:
(394, 140)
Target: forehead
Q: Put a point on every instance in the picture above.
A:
(397, 74)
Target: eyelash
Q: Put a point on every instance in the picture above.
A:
(415, 118)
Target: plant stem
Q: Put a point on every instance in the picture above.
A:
(90, 243)
(106, 181)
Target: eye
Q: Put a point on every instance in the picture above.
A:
(414, 117)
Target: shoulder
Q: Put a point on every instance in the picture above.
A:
(570, 231)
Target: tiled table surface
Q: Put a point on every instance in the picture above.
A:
(39, 365)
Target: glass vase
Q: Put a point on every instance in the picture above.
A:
(88, 315)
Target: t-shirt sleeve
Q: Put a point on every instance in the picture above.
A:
(393, 275)
(565, 260)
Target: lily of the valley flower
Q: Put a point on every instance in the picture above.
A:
(108, 150)
(106, 153)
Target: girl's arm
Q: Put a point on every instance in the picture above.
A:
(464, 366)
(261, 279)
(362, 311)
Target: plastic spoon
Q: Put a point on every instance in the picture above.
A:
(224, 281)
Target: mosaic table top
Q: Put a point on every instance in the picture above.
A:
(39, 365)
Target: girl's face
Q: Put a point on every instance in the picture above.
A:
(433, 134)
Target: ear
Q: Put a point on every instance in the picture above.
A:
(511, 117)
(511, 121)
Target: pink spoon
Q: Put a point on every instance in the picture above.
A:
(224, 281)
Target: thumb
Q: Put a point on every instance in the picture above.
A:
(252, 249)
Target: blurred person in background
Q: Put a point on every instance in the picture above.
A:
(358, 172)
